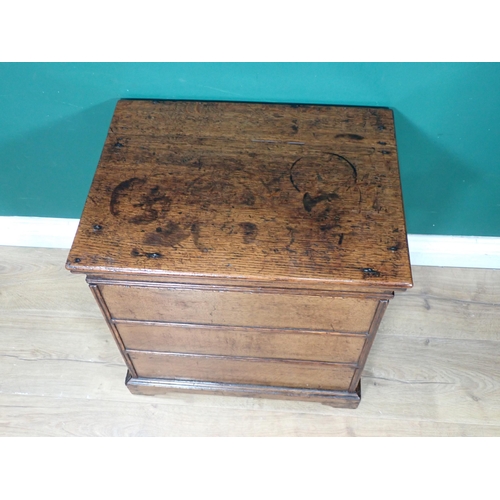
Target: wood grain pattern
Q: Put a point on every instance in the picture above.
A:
(61, 374)
(458, 303)
(52, 417)
(338, 314)
(240, 341)
(445, 389)
(238, 370)
(308, 194)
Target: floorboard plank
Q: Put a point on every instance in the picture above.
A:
(447, 303)
(42, 416)
(450, 382)
(433, 369)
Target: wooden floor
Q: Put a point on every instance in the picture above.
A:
(434, 369)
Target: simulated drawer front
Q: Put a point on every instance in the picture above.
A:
(241, 341)
(236, 308)
(304, 374)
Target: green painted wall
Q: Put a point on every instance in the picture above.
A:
(54, 119)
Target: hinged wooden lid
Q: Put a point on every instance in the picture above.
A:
(266, 192)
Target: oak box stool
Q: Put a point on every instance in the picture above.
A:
(245, 249)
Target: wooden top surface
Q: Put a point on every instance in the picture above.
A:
(268, 192)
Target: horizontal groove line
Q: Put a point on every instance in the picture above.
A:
(243, 358)
(385, 292)
(260, 329)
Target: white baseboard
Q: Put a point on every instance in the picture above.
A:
(41, 232)
(454, 251)
(425, 250)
